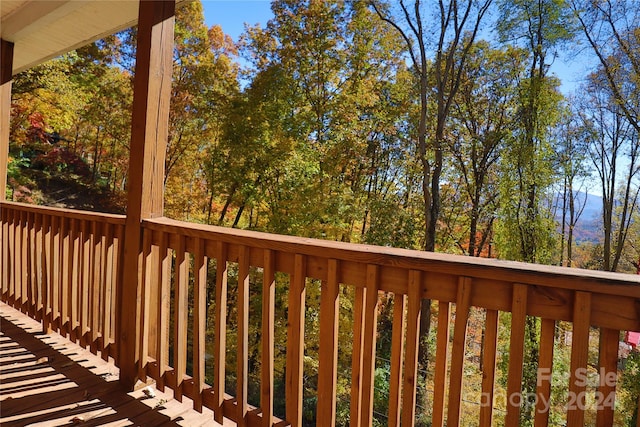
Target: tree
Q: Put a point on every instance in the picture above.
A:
(443, 72)
(205, 83)
(321, 90)
(615, 153)
(610, 28)
(572, 141)
(540, 26)
(481, 119)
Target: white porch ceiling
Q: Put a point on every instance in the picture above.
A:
(44, 29)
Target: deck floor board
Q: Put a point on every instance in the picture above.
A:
(46, 379)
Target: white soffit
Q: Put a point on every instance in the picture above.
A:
(44, 29)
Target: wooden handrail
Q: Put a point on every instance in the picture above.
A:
(481, 268)
(63, 266)
(65, 212)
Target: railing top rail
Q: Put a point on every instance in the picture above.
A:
(515, 272)
(67, 213)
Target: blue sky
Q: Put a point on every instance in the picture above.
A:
(231, 15)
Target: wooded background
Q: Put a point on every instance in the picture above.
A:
(435, 126)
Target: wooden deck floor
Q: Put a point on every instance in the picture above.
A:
(47, 380)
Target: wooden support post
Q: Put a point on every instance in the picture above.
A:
(149, 131)
(6, 71)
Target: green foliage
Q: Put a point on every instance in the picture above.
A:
(483, 117)
(630, 388)
(14, 166)
(300, 143)
(525, 228)
(547, 23)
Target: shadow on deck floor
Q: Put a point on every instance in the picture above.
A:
(49, 381)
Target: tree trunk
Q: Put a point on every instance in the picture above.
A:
(238, 216)
(227, 203)
(572, 221)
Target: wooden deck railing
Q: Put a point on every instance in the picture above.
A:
(61, 267)
(191, 273)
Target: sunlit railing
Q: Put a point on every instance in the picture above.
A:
(61, 267)
(214, 303)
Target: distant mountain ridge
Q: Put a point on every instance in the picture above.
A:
(589, 225)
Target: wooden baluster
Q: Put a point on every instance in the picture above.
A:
(153, 274)
(397, 349)
(55, 272)
(545, 367)
(65, 282)
(24, 272)
(221, 331)
(46, 276)
(163, 307)
(369, 348)
(118, 259)
(516, 354)
(489, 352)
(4, 262)
(18, 271)
(86, 281)
(102, 315)
(356, 358)
(35, 268)
(268, 328)
(458, 351)
(96, 307)
(22, 259)
(579, 356)
(242, 366)
(442, 355)
(35, 264)
(295, 342)
(31, 267)
(13, 259)
(26, 265)
(180, 316)
(64, 274)
(75, 279)
(88, 272)
(328, 355)
(199, 321)
(72, 291)
(18, 262)
(37, 261)
(108, 292)
(89, 263)
(414, 295)
(15, 276)
(145, 285)
(606, 395)
(29, 270)
(11, 244)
